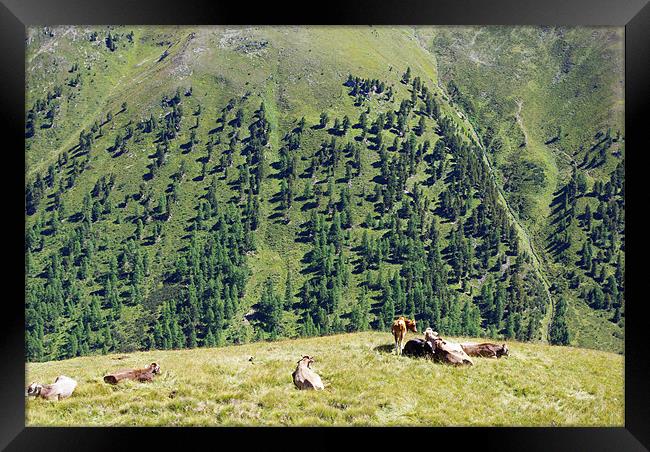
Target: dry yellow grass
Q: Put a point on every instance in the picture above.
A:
(366, 384)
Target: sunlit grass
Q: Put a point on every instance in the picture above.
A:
(365, 384)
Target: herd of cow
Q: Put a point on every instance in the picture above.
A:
(304, 377)
(436, 348)
(431, 347)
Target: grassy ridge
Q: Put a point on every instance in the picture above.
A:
(365, 385)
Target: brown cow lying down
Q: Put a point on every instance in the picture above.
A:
(449, 353)
(304, 377)
(62, 388)
(145, 374)
(486, 349)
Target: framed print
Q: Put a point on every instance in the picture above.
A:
(381, 216)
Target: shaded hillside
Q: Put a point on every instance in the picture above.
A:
(200, 186)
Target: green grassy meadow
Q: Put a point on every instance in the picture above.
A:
(365, 385)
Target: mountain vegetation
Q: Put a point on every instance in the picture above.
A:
(203, 186)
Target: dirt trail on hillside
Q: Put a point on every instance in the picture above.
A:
(537, 261)
(520, 104)
(117, 92)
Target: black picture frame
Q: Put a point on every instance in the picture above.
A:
(16, 15)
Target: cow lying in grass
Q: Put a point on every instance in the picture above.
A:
(62, 388)
(448, 352)
(145, 374)
(486, 349)
(444, 351)
(304, 377)
(418, 348)
(399, 328)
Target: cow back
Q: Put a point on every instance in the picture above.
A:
(306, 378)
(418, 348)
(452, 353)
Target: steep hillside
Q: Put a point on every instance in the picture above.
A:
(548, 103)
(201, 186)
(365, 384)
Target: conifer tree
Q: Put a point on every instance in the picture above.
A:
(559, 329)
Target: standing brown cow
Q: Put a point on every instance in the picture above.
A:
(399, 328)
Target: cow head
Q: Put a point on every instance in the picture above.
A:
(438, 343)
(410, 325)
(33, 390)
(430, 335)
(504, 351)
(306, 360)
(155, 368)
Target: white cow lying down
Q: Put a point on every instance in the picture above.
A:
(451, 351)
(62, 388)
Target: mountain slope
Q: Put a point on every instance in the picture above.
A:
(178, 178)
(546, 101)
(365, 384)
